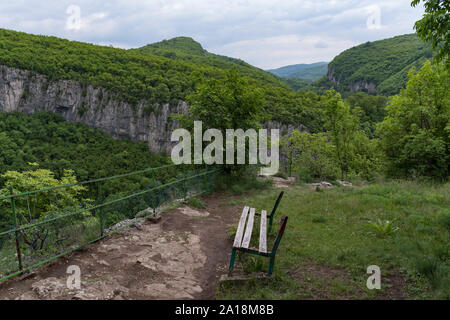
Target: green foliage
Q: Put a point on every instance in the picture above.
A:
(342, 126)
(296, 83)
(344, 150)
(182, 44)
(252, 264)
(196, 203)
(159, 73)
(229, 103)
(241, 182)
(415, 135)
(188, 50)
(58, 145)
(418, 253)
(69, 152)
(385, 63)
(132, 75)
(47, 204)
(370, 109)
(319, 219)
(355, 153)
(383, 228)
(434, 27)
(311, 156)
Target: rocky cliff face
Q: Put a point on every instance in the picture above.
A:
(27, 92)
(360, 85)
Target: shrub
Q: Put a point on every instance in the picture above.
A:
(194, 202)
(383, 228)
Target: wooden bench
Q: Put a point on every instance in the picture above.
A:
(242, 239)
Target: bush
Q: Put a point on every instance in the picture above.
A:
(239, 184)
(194, 202)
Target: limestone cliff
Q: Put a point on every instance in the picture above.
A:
(359, 85)
(27, 92)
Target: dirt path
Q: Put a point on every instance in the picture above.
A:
(181, 257)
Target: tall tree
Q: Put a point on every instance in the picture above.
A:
(435, 27)
(226, 103)
(415, 135)
(342, 126)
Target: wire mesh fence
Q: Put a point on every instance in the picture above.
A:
(48, 223)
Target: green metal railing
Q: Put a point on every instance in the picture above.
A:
(29, 242)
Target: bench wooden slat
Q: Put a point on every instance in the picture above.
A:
(243, 239)
(240, 229)
(263, 232)
(249, 229)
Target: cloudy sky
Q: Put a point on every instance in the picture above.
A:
(265, 33)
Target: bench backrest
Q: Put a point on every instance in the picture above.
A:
(284, 220)
(275, 207)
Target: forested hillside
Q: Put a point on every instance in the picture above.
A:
(159, 73)
(45, 138)
(187, 49)
(377, 67)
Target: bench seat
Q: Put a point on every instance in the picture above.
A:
(245, 230)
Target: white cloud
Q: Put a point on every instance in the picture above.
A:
(273, 52)
(266, 33)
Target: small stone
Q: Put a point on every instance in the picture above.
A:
(154, 219)
(103, 262)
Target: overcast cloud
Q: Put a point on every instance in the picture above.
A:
(265, 33)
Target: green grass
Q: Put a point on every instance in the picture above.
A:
(329, 243)
(196, 203)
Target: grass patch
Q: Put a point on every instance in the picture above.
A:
(408, 240)
(243, 183)
(196, 203)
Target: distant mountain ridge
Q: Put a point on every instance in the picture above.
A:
(184, 44)
(378, 67)
(310, 71)
(189, 50)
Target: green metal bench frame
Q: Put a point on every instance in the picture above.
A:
(275, 207)
(241, 241)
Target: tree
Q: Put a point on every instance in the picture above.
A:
(40, 206)
(415, 135)
(435, 27)
(312, 155)
(225, 103)
(371, 110)
(342, 126)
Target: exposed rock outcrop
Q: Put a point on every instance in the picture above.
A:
(28, 92)
(360, 85)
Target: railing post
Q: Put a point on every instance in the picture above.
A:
(100, 210)
(13, 208)
(199, 185)
(184, 186)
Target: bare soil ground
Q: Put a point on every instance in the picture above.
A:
(181, 257)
